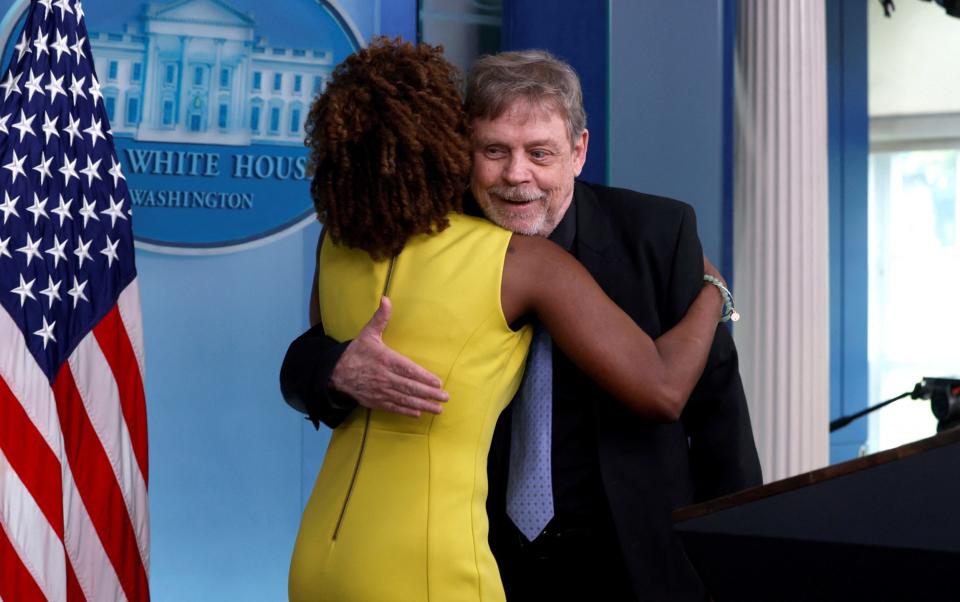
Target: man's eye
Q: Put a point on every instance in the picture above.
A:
(539, 155)
(493, 152)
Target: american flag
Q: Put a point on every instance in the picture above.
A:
(73, 432)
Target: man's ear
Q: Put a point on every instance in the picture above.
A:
(580, 152)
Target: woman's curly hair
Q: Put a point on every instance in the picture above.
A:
(388, 147)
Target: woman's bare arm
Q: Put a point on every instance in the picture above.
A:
(654, 378)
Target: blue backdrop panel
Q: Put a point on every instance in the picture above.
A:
(849, 150)
(669, 98)
(577, 32)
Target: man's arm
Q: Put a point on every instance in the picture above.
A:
(723, 454)
(326, 379)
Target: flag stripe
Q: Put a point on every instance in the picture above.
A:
(31, 458)
(129, 305)
(98, 487)
(74, 593)
(39, 549)
(28, 383)
(118, 352)
(101, 399)
(94, 572)
(16, 583)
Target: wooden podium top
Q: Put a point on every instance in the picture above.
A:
(746, 496)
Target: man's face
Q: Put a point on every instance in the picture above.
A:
(524, 166)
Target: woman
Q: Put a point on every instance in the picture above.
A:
(398, 508)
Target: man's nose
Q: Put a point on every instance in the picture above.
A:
(516, 170)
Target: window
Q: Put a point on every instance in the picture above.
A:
(294, 121)
(111, 104)
(222, 116)
(914, 251)
(225, 78)
(255, 118)
(297, 83)
(274, 120)
(167, 112)
(318, 84)
(196, 122)
(170, 74)
(112, 68)
(257, 80)
(133, 110)
(277, 81)
(136, 72)
(198, 76)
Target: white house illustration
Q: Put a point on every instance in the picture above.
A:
(193, 71)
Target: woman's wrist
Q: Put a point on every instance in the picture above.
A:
(729, 312)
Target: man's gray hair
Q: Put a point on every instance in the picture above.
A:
(496, 81)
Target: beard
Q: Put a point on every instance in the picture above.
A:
(517, 220)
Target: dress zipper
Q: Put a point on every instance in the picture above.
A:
(353, 479)
(366, 427)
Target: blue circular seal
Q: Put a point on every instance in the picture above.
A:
(206, 101)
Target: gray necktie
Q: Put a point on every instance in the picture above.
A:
(529, 482)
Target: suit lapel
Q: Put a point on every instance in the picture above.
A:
(594, 234)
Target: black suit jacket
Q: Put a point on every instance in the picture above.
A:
(644, 252)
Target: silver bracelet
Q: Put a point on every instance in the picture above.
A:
(730, 312)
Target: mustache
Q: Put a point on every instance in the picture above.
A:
(517, 194)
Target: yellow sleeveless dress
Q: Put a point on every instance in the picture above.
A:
(398, 509)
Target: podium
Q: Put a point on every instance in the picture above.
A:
(881, 527)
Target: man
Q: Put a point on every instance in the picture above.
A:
(613, 477)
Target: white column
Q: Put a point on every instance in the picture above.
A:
(781, 230)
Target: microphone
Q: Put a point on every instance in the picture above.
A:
(944, 396)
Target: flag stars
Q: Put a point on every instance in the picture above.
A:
(68, 170)
(64, 7)
(3, 123)
(43, 167)
(9, 206)
(24, 290)
(46, 332)
(33, 84)
(63, 210)
(31, 249)
(25, 125)
(54, 87)
(73, 128)
(116, 172)
(115, 211)
(82, 251)
(76, 88)
(52, 291)
(95, 131)
(110, 251)
(47, 7)
(50, 127)
(78, 7)
(23, 46)
(88, 213)
(16, 167)
(60, 45)
(57, 251)
(77, 48)
(77, 291)
(94, 89)
(4, 242)
(37, 209)
(40, 43)
(92, 170)
(11, 84)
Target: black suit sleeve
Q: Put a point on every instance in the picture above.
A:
(305, 378)
(723, 455)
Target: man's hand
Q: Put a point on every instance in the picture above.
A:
(379, 378)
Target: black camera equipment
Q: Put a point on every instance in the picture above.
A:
(951, 6)
(944, 396)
